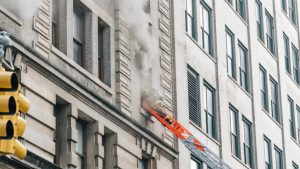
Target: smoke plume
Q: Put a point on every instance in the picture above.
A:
(143, 40)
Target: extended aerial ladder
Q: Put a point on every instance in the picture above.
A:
(151, 102)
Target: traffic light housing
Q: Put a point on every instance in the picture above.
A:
(12, 126)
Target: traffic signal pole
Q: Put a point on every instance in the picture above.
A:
(12, 103)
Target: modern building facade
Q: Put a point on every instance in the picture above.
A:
(83, 67)
(237, 71)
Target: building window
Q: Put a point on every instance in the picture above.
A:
(295, 166)
(244, 77)
(278, 158)
(295, 63)
(80, 148)
(104, 60)
(54, 25)
(206, 33)
(196, 164)
(268, 155)
(298, 115)
(263, 88)
(235, 136)
(209, 108)
(191, 18)
(247, 143)
(144, 163)
(270, 32)
(230, 54)
(78, 35)
(241, 8)
(283, 5)
(259, 20)
(193, 92)
(229, 1)
(274, 100)
(292, 117)
(287, 60)
(292, 11)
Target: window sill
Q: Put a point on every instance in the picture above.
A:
(273, 55)
(290, 76)
(196, 43)
(201, 130)
(295, 141)
(70, 61)
(234, 81)
(294, 25)
(268, 114)
(238, 15)
(240, 161)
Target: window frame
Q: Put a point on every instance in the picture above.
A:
(270, 35)
(55, 23)
(287, 56)
(298, 121)
(208, 87)
(250, 147)
(295, 55)
(193, 17)
(203, 32)
(278, 151)
(264, 90)
(241, 71)
(81, 156)
(276, 114)
(292, 11)
(292, 123)
(197, 161)
(197, 78)
(270, 164)
(259, 21)
(231, 57)
(236, 140)
(241, 11)
(295, 166)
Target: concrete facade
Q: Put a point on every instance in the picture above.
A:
(212, 69)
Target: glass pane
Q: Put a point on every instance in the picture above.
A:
(78, 25)
(267, 151)
(247, 139)
(210, 102)
(205, 18)
(229, 45)
(77, 52)
(278, 159)
(206, 43)
(229, 66)
(194, 164)
(189, 6)
(79, 145)
(233, 122)
(209, 125)
(189, 25)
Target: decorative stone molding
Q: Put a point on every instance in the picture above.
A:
(42, 26)
(166, 60)
(123, 72)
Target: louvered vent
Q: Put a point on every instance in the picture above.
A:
(193, 90)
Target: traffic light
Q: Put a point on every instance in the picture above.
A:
(12, 102)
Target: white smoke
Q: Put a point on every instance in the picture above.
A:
(143, 40)
(24, 9)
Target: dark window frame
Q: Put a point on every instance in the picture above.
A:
(283, 6)
(232, 56)
(264, 88)
(270, 37)
(212, 114)
(259, 21)
(287, 56)
(278, 151)
(204, 6)
(248, 147)
(196, 160)
(298, 120)
(292, 11)
(241, 8)
(193, 17)
(235, 135)
(270, 164)
(274, 103)
(197, 121)
(54, 23)
(292, 122)
(295, 166)
(241, 70)
(295, 55)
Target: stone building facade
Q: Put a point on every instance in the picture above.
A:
(77, 68)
